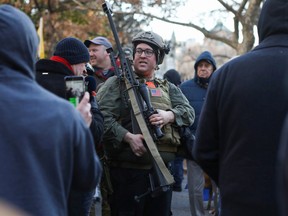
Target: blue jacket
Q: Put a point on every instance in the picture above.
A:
(46, 149)
(195, 89)
(196, 96)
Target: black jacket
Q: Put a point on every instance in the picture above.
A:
(282, 171)
(239, 128)
(46, 148)
(50, 74)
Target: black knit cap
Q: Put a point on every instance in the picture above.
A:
(73, 50)
(173, 76)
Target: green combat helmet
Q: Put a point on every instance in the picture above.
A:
(155, 41)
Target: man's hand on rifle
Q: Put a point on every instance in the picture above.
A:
(162, 118)
(136, 143)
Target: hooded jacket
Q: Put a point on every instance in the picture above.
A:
(206, 56)
(196, 88)
(46, 148)
(240, 124)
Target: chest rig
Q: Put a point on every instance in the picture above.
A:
(160, 99)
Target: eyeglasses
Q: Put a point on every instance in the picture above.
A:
(148, 52)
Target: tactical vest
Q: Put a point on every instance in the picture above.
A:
(160, 99)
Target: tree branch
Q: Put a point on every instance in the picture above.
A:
(204, 31)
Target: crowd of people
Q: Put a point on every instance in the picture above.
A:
(56, 159)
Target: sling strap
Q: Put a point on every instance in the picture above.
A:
(157, 159)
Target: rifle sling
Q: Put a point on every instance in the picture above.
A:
(147, 136)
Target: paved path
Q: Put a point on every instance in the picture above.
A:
(180, 202)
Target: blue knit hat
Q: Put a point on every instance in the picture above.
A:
(73, 50)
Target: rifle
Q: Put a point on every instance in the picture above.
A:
(161, 178)
(113, 61)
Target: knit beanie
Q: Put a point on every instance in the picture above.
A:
(173, 76)
(73, 50)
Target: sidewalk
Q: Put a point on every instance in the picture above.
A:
(180, 202)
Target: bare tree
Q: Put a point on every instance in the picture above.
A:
(245, 16)
(85, 18)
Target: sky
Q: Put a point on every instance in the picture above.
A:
(191, 12)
